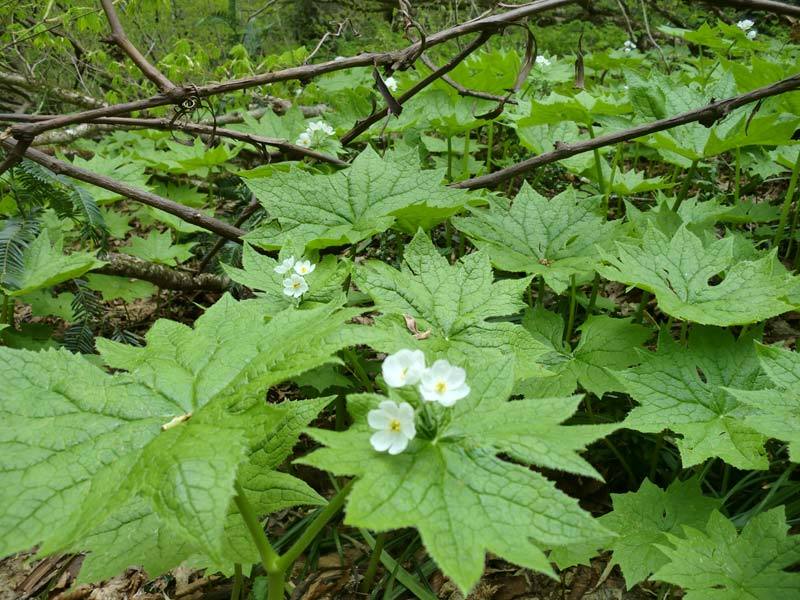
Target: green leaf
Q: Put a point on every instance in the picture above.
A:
(749, 565)
(683, 389)
(554, 239)
(317, 211)
(112, 287)
(454, 302)
(642, 521)
(45, 264)
(605, 345)
(463, 499)
(174, 430)
(116, 166)
(157, 247)
(678, 270)
(776, 412)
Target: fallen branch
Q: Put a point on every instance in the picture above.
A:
(167, 278)
(706, 115)
(119, 37)
(364, 124)
(196, 128)
(179, 210)
(762, 5)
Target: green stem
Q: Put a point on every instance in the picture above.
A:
(403, 576)
(489, 146)
(787, 204)
(326, 514)
(276, 582)
(372, 567)
(685, 187)
(4, 312)
(572, 303)
(465, 173)
(654, 458)
(684, 331)
(236, 592)
(590, 411)
(737, 174)
(341, 413)
(269, 558)
(601, 184)
(540, 299)
(449, 158)
(637, 318)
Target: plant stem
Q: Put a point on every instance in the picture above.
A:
(540, 299)
(465, 173)
(372, 567)
(403, 576)
(489, 145)
(787, 204)
(654, 458)
(449, 158)
(275, 585)
(236, 592)
(685, 187)
(269, 558)
(4, 320)
(341, 413)
(737, 175)
(601, 184)
(326, 514)
(571, 318)
(637, 318)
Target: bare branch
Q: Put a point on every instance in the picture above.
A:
(772, 6)
(395, 59)
(120, 39)
(366, 123)
(179, 210)
(124, 265)
(707, 115)
(76, 98)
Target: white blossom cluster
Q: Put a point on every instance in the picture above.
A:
(315, 134)
(295, 285)
(542, 61)
(442, 383)
(628, 46)
(746, 25)
(391, 84)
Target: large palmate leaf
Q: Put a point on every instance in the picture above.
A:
(606, 344)
(678, 271)
(456, 491)
(554, 239)
(83, 449)
(641, 521)
(374, 194)
(325, 282)
(44, 264)
(454, 302)
(718, 564)
(776, 412)
(683, 389)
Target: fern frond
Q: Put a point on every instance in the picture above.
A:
(15, 235)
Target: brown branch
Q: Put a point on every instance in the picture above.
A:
(249, 210)
(395, 59)
(196, 128)
(367, 122)
(72, 97)
(772, 6)
(179, 210)
(707, 115)
(123, 265)
(120, 39)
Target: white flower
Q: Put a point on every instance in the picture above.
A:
(285, 266)
(751, 35)
(391, 83)
(395, 425)
(542, 61)
(322, 126)
(403, 368)
(628, 46)
(304, 140)
(745, 24)
(338, 58)
(294, 286)
(443, 383)
(304, 267)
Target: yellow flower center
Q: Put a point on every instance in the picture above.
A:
(296, 284)
(441, 387)
(394, 425)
